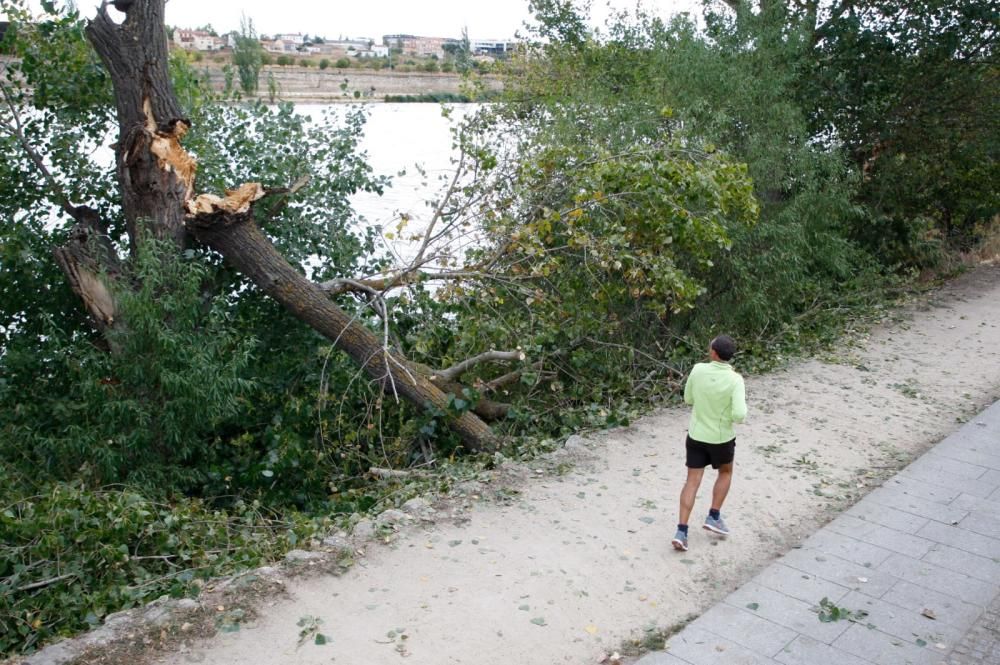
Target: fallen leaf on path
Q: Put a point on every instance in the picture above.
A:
(592, 629)
(929, 613)
(539, 621)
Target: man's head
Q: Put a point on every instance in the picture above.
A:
(723, 347)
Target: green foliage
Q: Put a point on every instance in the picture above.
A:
(324, 63)
(285, 60)
(828, 612)
(917, 111)
(435, 98)
(342, 63)
(139, 414)
(69, 556)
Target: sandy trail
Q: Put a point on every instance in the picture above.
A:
(578, 561)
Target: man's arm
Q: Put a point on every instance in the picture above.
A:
(739, 402)
(688, 390)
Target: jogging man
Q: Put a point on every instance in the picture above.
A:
(718, 399)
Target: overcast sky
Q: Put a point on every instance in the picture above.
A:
(485, 19)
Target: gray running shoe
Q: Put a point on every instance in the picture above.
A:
(716, 525)
(680, 541)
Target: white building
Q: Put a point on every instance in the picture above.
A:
(279, 46)
(376, 51)
(296, 38)
(197, 40)
(495, 47)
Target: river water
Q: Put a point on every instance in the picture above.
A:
(412, 143)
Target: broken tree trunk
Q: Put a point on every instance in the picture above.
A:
(155, 173)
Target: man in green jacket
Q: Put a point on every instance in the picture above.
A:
(718, 399)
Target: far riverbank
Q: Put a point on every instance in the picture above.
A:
(302, 84)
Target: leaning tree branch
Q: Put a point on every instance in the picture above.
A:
(15, 129)
(227, 226)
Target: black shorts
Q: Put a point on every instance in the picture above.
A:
(700, 455)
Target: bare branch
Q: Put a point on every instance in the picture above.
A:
(452, 373)
(386, 474)
(15, 129)
(44, 583)
(511, 377)
(440, 208)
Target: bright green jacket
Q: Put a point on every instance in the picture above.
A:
(718, 396)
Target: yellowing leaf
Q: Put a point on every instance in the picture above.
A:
(592, 629)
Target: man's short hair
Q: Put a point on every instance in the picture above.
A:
(724, 346)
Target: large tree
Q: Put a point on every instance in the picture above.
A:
(909, 91)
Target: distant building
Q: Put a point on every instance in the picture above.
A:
(198, 40)
(279, 46)
(359, 44)
(497, 48)
(415, 45)
(296, 38)
(376, 51)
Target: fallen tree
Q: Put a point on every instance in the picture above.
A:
(157, 180)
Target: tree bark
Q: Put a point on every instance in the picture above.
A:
(90, 264)
(156, 175)
(238, 238)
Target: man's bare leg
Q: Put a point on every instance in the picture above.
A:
(722, 485)
(689, 492)
(687, 503)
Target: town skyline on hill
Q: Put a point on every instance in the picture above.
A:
(500, 19)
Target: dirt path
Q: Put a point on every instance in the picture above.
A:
(578, 562)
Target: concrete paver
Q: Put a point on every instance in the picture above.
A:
(917, 562)
(981, 645)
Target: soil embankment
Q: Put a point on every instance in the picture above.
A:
(311, 84)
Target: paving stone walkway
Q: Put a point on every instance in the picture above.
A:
(910, 575)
